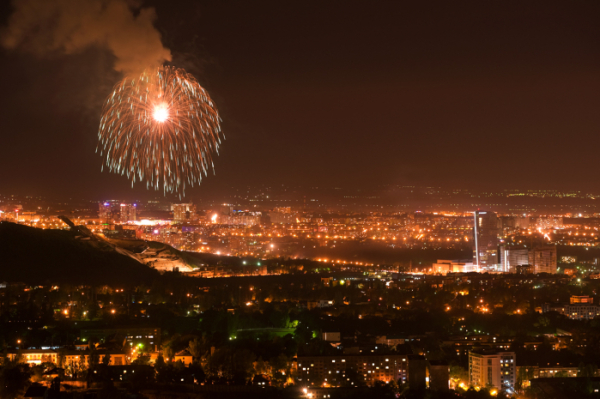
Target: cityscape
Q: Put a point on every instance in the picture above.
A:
(299, 201)
(505, 301)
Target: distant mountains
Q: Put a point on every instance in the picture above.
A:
(37, 256)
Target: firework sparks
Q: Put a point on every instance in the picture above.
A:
(161, 128)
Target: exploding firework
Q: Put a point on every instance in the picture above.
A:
(161, 128)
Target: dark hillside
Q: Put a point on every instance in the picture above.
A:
(34, 256)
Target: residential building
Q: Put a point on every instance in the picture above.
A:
(581, 299)
(331, 336)
(495, 368)
(389, 340)
(543, 259)
(74, 357)
(581, 311)
(439, 375)
(183, 212)
(36, 356)
(512, 257)
(146, 336)
(68, 357)
(184, 356)
(128, 213)
(332, 370)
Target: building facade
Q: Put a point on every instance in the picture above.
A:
(581, 311)
(128, 213)
(543, 259)
(485, 238)
(183, 212)
(495, 368)
(335, 370)
(511, 257)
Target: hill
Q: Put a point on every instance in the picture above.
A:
(36, 256)
(157, 255)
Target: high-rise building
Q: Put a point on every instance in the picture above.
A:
(439, 375)
(494, 368)
(128, 213)
(543, 259)
(104, 211)
(485, 238)
(183, 212)
(511, 257)
(108, 210)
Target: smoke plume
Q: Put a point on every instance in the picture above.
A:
(43, 27)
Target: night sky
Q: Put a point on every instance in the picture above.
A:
(481, 94)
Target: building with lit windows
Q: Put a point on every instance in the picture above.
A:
(128, 213)
(540, 259)
(35, 356)
(183, 212)
(543, 259)
(582, 311)
(512, 257)
(148, 337)
(581, 307)
(581, 299)
(335, 370)
(453, 266)
(491, 367)
(485, 238)
(108, 210)
(69, 357)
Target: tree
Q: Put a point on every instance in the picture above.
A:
(233, 365)
(198, 372)
(459, 374)
(280, 369)
(587, 370)
(106, 359)
(61, 357)
(165, 372)
(81, 365)
(195, 347)
(94, 357)
(142, 360)
(159, 363)
(14, 380)
(382, 390)
(524, 374)
(36, 373)
(140, 378)
(168, 353)
(262, 367)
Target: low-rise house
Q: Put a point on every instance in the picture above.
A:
(184, 356)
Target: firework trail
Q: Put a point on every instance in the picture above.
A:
(161, 128)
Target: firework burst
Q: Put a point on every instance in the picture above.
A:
(161, 128)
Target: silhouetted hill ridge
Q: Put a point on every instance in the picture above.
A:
(36, 256)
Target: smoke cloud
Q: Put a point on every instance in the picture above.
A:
(43, 27)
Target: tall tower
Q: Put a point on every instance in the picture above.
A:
(128, 213)
(104, 211)
(485, 238)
